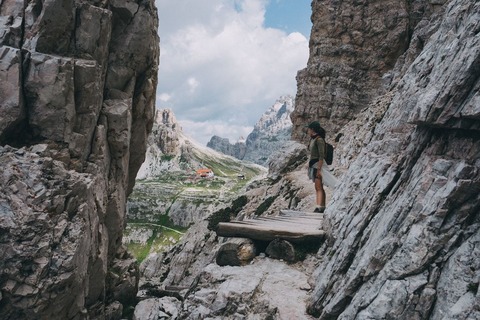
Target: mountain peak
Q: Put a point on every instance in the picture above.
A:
(277, 117)
(165, 117)
(270, 132)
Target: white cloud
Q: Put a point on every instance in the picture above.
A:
(219, 64)
(202, 131)
(163, 97)
(192, 84)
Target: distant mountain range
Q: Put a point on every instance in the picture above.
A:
(269, 134)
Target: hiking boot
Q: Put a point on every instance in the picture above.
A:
(319, 210)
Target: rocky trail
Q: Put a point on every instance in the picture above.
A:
(261, 288)
(264, 289)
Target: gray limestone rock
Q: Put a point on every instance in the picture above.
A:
(255, 291)
(353, 45)
(12, 108)
(49, 226)
(223, 145)
(49, 94)
(270, 133)
(69, 153)
(157, 308)
(407, 207)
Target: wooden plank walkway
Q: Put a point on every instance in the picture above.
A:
(294, 226)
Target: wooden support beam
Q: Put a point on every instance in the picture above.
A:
(269, 232)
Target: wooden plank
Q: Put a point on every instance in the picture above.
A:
(292, 220)
(293, 213)
(267, 233)
(281, 228)
(176, 288)
(279, 225)
(311, 217)
(284, 224)
(294, 226)
(289, 218)
(291, 223)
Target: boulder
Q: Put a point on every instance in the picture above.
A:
(254, 291)
(157, 309)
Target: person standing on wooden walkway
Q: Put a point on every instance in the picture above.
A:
(316, 166)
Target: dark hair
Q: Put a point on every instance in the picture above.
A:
(317, 128)
(321, 132)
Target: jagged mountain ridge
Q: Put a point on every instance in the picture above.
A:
(270, 132)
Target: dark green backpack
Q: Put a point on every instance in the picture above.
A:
(329, 153)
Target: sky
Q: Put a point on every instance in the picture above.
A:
(223, 63)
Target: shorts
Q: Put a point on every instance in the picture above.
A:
(312, 173)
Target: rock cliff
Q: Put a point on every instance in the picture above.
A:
(406, 217)
(77, 87)
(164, 146)
(354, 48)
(237, 150)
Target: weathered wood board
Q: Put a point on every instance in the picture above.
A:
(289, 225)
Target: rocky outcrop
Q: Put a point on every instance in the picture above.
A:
(354, 46)
(77, 105)
(271, 131)
(406, 217)
(286, 159)
(163, 146)
(255, 291)
(223, 145)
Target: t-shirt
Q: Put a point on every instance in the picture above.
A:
(317, 149)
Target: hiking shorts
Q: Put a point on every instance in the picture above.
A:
(312, 173)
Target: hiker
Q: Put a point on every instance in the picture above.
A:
(316, 166)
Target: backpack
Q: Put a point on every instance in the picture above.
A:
(329, 153)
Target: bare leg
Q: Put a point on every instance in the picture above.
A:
(320, 192)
